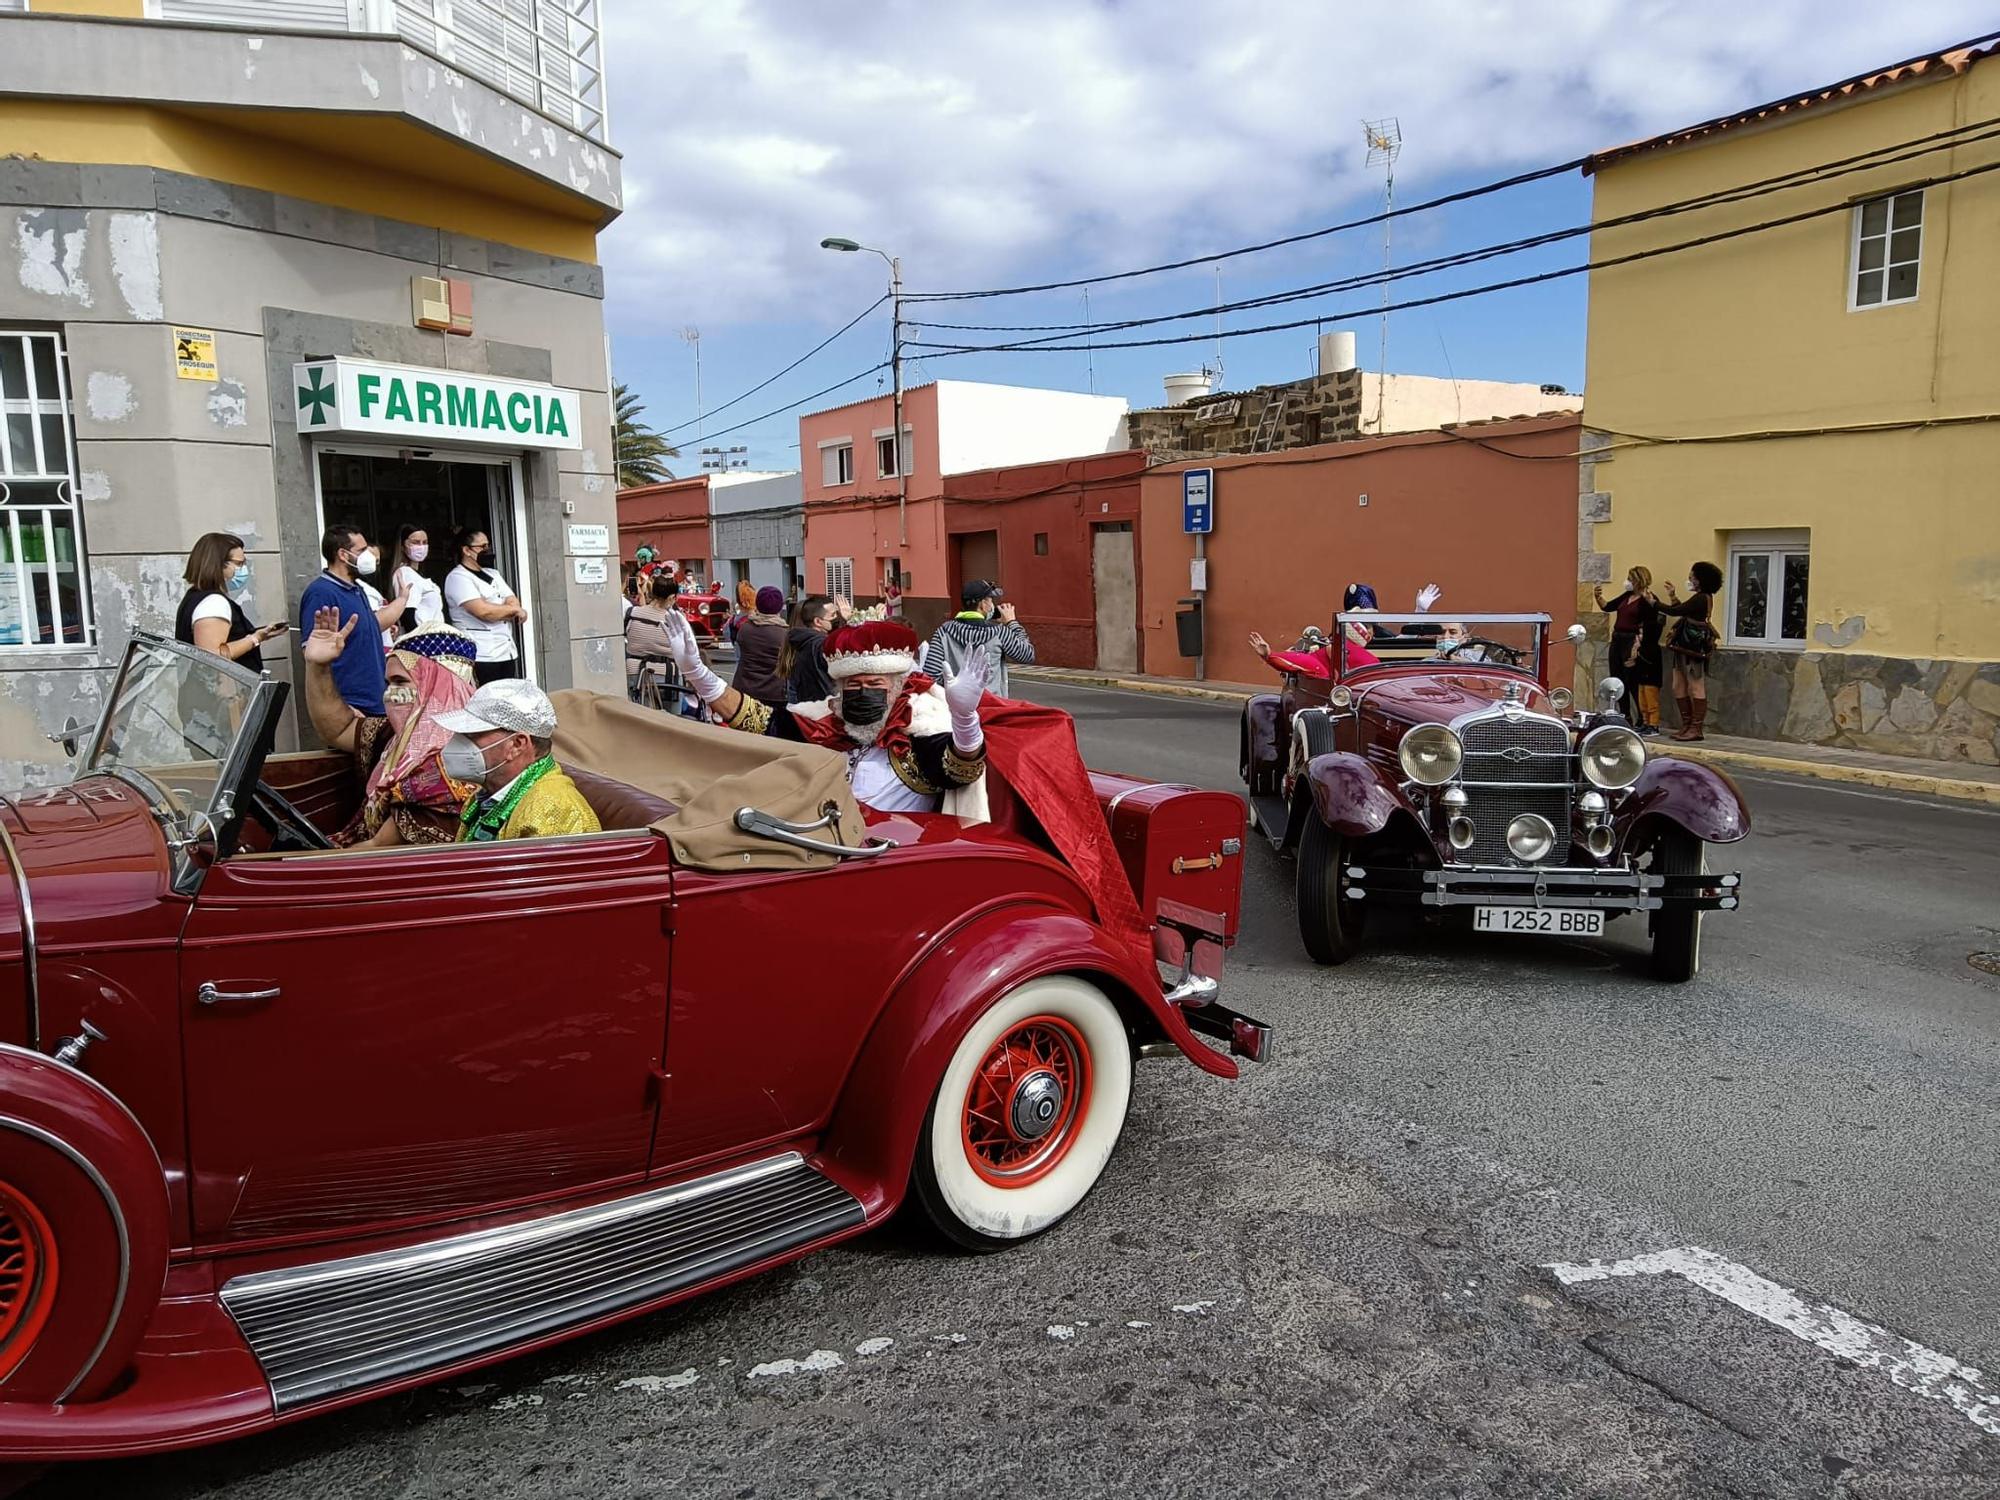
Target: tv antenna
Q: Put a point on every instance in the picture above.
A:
(1385, 144)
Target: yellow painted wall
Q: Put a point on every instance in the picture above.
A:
(230, 150)
(1755, 334)
(132, 8)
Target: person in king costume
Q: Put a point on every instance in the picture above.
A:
(915, 746)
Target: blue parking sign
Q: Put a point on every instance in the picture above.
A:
(1198, 500)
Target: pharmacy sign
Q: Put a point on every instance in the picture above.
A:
(423, 406)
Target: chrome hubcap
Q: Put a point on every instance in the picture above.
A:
(1037, 1105)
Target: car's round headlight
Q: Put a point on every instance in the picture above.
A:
(1431, 754)
(1530, 837)
(1341, 696)
(1560, 699)
(1612, 756)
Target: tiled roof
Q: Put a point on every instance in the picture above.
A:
(1935, 65)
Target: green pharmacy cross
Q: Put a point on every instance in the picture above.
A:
(316, 394)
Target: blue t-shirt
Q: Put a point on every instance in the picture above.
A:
(358, 670)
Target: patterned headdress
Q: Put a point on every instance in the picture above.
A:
(447, 645)
(875, 647)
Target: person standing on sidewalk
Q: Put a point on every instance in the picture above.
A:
(1635, 647)
(984, 626)
(1691, 642)
(760, 641)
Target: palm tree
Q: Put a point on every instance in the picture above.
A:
(642, 452)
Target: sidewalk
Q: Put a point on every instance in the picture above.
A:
(1893, 773)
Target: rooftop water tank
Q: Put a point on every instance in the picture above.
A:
(1336, 353)
(1182, 389)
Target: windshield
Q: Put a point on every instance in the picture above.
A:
(176, 717)
(1462, 640)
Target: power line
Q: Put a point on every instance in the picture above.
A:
(1039, 347)
(782, 373)
(1878, 157)
(1518, 180)
(779, 411)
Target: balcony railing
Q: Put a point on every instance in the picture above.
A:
(549, 54)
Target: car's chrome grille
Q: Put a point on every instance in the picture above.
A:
(1516, 765)
(322, 1329)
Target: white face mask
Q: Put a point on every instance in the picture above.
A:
(416, 552)
(464, 761)
(364, 564)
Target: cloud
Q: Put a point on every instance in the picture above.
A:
(990, 143)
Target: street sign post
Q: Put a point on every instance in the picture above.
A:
(1198, 501)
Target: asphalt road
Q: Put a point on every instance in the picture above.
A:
(1330, 1278)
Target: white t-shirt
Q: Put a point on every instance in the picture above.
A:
(493, 639)
(212, 607)
(425, 597)
(375, 602)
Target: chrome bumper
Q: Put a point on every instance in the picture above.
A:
(1540, 886)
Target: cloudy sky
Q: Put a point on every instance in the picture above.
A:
(1001, 145)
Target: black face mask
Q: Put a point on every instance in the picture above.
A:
(485, 559)
(864, 705)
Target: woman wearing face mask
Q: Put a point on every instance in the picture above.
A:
(1690, 643)
(483, 605)
(406, 577)
(1635, 650)
(211, 615)
(408, 798)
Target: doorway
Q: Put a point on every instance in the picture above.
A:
(380, 490)
(1114, 579)
(974, 554)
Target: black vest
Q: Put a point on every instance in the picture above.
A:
(239, 626)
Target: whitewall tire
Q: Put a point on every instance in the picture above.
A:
(1028, 1112)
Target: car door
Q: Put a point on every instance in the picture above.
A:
(380, 1036)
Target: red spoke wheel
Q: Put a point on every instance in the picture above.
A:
(27, 1276)
(1026, 1115)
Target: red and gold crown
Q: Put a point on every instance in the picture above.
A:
(874, 648)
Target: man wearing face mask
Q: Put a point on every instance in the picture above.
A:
(501, 743)
(910, 744)
(359, 672)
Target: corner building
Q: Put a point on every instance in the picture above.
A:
(264, 280)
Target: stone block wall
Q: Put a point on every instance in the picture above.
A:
(1323, 409)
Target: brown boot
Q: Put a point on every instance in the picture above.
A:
(1686, 731)
(1700, 718)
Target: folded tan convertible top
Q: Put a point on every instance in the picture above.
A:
(708, 772)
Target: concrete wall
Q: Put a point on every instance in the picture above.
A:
(1053, 591)
(1494, 531)
(983, 426)
(114, 257)
(1424, 403)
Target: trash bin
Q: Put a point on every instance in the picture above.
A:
(1187, 626)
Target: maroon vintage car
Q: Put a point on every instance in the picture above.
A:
(283, 1128)
(1447, 776)
(706, 608)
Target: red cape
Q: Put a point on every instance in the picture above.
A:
(1040, 771)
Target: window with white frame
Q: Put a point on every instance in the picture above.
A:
(1768, 588)
(836, 462)
(1888, 244)
(840, 576)
(886, 466)
(43, 601)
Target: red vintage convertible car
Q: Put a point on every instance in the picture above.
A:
(706, 608)
(284, 1128)
(1449, 777)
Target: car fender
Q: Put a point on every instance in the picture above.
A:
(74, 1158)
(1352, 796)
(1699, 798)
(871, 1138)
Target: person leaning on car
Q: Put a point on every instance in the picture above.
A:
(984, 626)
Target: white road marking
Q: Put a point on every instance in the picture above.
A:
(947, 1338)
(812, 1364)
(1138, 1325)
(1921, 1371)
(872, 1346)
(1061, 1331)
(654, 1385)
(1195, 1309)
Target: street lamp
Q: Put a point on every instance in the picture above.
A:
(847, 246)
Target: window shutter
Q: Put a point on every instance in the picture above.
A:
(829, 466)
(302, 15)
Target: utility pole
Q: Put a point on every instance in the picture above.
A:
(896, 400)
(693, 336)
(1385, 144)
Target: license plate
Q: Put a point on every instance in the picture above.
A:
(1558, 921)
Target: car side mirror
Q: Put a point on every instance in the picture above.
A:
(69, 734)
(1575, 634)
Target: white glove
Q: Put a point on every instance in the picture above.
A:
(962, 695)
(686, 653)
(1427, 596)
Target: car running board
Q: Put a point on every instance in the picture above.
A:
(337, 1326)
(1271, 817)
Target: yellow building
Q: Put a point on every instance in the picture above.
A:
(1814, 406)
(221, 240)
